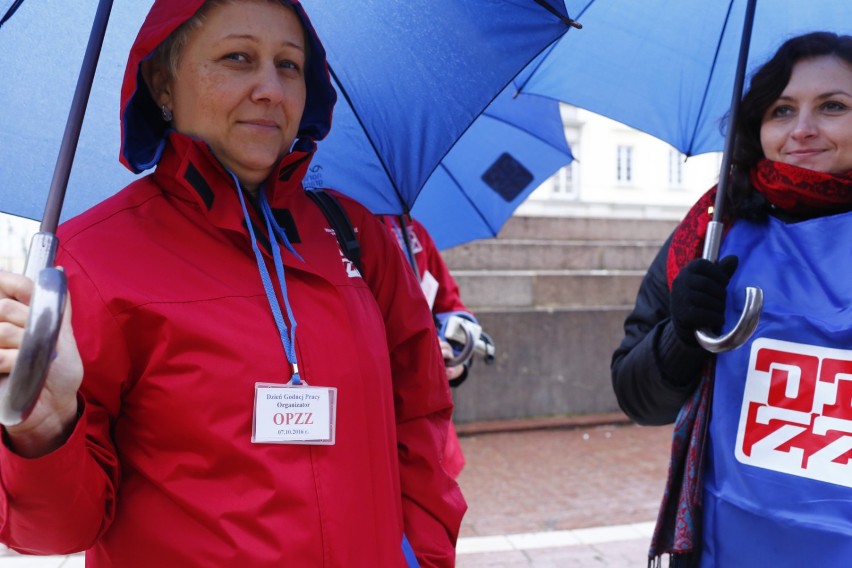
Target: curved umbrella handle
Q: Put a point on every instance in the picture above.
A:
(749, 317)
(20, 390)
(466, 352)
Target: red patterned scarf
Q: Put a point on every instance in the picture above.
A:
(788, 188)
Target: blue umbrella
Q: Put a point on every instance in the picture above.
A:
(414, 76)
(666, 67)
(511, 149)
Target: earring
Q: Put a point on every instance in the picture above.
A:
(167, 113)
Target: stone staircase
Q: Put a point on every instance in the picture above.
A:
(553, 292)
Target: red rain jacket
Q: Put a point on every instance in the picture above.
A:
(175, 330)
(447, 301)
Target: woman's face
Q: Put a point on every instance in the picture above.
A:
(810, 125)
(240, 86)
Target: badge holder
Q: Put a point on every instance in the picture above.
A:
(294, 414)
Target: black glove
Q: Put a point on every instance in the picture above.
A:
(698, 296)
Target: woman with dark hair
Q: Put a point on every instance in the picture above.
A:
(760, 472)
(188, 420)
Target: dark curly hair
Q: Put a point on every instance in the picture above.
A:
(767, 84)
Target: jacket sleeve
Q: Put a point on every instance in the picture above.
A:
(651, 355)
(432, 503)
(60, 503)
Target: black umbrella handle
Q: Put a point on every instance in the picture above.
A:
(62, 171)
(750, 315)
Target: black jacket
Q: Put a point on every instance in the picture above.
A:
(653, 370)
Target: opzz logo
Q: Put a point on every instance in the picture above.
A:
(796, 416)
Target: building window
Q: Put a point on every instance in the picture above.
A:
(624, 165)
(563, 181)
(675, 168)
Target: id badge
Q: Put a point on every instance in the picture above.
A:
(430, 286)
(294, 414)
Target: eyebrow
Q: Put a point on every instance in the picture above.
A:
(254, 38)
(827, 95)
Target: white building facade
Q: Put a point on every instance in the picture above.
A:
(621, 172)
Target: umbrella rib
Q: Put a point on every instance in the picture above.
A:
(467, 197)
(405, 207)
(550, 47)
(564, 19)
(525, 130)
(10, 12)
(709, 80)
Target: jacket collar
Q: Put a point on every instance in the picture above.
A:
(190, 172)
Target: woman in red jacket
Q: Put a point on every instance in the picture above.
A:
(229, 405)
(442, 294)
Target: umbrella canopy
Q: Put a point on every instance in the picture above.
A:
(511, 149)
(414, 76)
(666, 67)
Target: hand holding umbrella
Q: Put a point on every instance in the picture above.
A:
(28, 351)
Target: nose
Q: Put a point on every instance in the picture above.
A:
(269, 86)
(805, 126)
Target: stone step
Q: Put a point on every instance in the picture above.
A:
(549, 362)
(537, 254)
(583, 228)
(553, 293)
(489, 289)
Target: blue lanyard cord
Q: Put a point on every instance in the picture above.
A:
(275, 234)
(409, 254)
(272, 228)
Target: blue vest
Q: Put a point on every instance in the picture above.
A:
(778, 485)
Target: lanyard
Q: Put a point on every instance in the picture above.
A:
(404, 242)
(276, 235)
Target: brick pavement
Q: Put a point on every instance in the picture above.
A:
(562, 479)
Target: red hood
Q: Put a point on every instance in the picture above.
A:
(143, 131)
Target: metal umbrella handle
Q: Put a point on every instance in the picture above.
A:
(472, 338)
(19, 391)
(750, 315)
(466, 352)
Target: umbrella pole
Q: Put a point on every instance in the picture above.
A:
(10, 11)
(714, 230)
(19, 391)
(750, 315)
(43, 248)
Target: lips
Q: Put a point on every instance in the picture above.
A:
(804, 153)
(260, 123)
